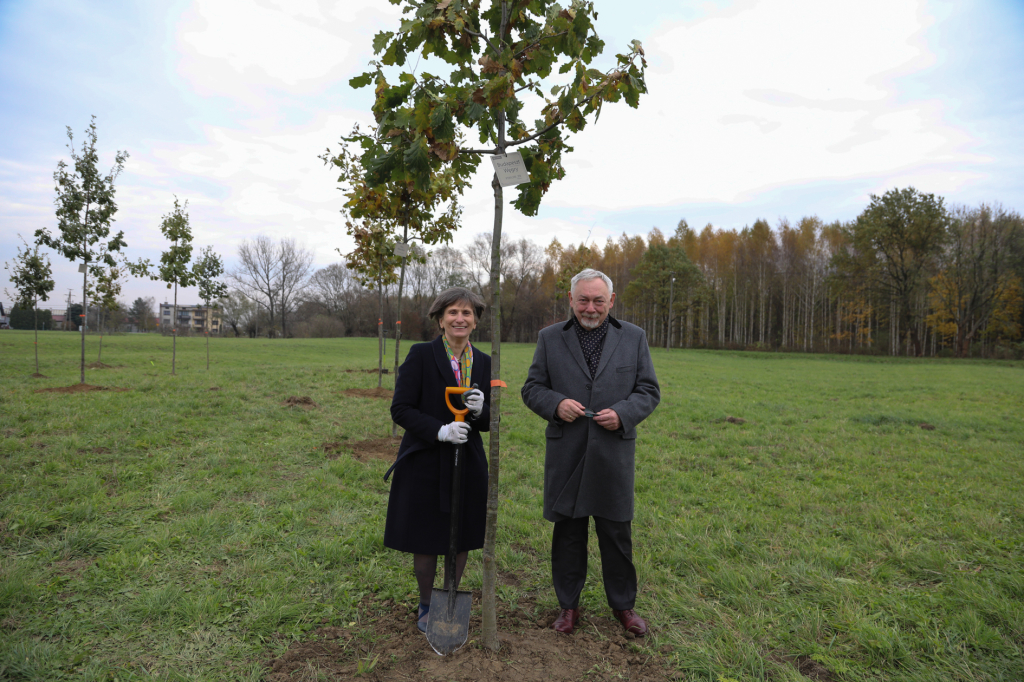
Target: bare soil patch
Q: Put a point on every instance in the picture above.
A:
(735, 420)
(366, 371)
(37, 375)
(99, 365)
(809, 668)
(333, 448)
(73, 567)
(376, 448)
(215, 388)
(81, 388)
(100, 450)
(385, 393)
(927, 427)
(530, 651)
(303, 401)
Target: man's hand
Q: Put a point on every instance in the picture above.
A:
(568, 410)
(608, 418)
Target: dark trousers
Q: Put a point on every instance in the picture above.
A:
(569, 561)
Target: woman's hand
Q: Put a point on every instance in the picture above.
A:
(456, 432)
(474, 400)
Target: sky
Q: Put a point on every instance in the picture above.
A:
(756, 109)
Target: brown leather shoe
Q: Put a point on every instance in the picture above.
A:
(631, 621)
(566, 621)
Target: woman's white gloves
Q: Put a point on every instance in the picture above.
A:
(474, 400)
(456, 432)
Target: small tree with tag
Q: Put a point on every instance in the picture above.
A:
(205, 272)
(431, 215)
(498, 55)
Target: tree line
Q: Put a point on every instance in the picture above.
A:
(906, 277)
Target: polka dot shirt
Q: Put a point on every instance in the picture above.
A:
(592, 342)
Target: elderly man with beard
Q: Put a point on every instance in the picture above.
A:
(593, 381)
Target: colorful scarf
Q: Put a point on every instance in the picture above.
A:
(462, 367)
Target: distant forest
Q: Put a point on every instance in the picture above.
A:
(909, 276)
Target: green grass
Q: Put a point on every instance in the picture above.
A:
(174, 532)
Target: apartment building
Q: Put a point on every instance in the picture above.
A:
(190, 318)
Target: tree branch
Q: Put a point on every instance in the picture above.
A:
(560, 121)
(479, 151)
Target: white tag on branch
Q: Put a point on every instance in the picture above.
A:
(401, 249)
(510, 169)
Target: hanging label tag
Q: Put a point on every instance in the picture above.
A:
(498, 382)
(81, 268)
(510, 169)
(401, 249)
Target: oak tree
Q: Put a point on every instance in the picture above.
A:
(32, 277)
(85, 212)
(499, 58)
(174, 263)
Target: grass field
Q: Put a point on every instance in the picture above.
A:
(178, 532)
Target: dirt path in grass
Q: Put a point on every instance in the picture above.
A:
(386, 646)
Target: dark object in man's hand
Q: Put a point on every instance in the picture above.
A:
(589, 413)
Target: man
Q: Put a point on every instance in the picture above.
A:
(593, 381)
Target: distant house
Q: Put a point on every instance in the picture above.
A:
(190, 318)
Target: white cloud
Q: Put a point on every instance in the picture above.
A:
(781, 91)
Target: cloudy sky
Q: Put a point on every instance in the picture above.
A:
(757, 109)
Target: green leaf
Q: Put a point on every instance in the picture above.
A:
(380, 41)
(362, 80)
(417, 158)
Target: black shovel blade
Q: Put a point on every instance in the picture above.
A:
(447, 632)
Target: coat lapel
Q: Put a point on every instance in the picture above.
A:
(573, 343)
(610, 342)
(443, 364)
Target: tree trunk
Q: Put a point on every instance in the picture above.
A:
(35, 327)
(380, 333)
(174, 331)
(489, 592)
(85, 307)
(397, 323)
(206, 329)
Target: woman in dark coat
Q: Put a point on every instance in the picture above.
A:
(419, 507)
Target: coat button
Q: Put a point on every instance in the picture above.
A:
(588, 387)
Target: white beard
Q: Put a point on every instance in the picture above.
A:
(589, 323)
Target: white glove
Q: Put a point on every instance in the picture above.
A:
(474, 400)
(456, 432)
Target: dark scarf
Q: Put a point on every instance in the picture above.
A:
(592, 343)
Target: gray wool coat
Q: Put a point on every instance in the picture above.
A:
(589, 470)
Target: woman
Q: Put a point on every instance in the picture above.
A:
(419, 507)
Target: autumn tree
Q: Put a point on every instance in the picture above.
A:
(85, 211)
(897, 240)
(32, 277)
(501, 58)
(424, 210)
(976, 277)
(205, 272)
(174, 263)
(104, 290)
(375, 264)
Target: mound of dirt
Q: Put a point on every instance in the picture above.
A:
(81, 388)
(376, 448)
(304, 401)
(384, 393)
(366, 371)
(98, 365)
(215, 388)
(37, 375)
(735, 420)
(927, 427)
(391, 648)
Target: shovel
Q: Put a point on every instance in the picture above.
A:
(448, 619)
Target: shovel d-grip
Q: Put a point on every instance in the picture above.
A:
(449, 391)
(448, 619)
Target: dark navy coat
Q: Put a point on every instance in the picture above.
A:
(419, 507)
